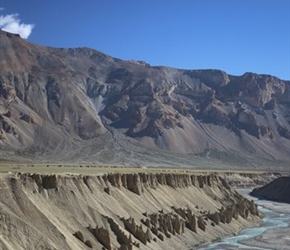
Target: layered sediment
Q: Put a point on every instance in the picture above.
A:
(118, 211)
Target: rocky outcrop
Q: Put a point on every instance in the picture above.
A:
(201, 224)
(88, 244)
(277, 190)
(42, 181)
(242, 208)
(137, 231)
(6, 90)
(284, 131)
(49, 182)
(27, 118)
(189, 218)
(164, 223)
(80, 237)
(122, 238)
(133, 183)
(215, 217)
(102, 235)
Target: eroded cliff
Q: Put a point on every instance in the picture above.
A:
(118, 211)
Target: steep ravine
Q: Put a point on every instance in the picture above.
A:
(118, 211)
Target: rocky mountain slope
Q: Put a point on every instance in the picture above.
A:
(276, 190)
(80, 104)
(118, 211)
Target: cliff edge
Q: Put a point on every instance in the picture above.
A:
(118, 211)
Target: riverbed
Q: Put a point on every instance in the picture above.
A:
(272, 233)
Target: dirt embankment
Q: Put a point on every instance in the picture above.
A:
(118, 211)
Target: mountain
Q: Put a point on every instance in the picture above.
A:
(277, 190)
(82, 105)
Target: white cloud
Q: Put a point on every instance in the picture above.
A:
(11, 23)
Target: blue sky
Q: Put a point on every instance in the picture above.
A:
(236, 36)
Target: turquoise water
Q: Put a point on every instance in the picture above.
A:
(271, 220)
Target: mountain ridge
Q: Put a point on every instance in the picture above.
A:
(276, 190)
(54, 101)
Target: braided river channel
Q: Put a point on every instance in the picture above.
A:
(272, 233)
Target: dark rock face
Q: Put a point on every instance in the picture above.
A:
(201, 223)
(102, 235)
(80, 237)
(88, 244)
(215, 217)
(27, 118)
(43, 181)
(277, 190)
(49, 182)
(69, 97)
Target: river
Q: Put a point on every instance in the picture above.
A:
(272, 233)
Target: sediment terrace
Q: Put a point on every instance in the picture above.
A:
(118, 211)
